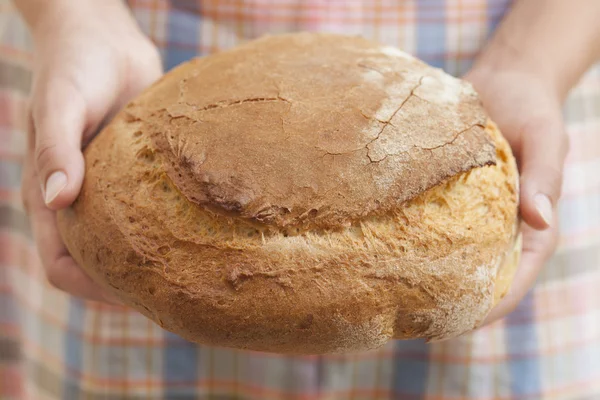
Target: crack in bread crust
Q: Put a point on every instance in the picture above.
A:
(226, 104)
(389, 121)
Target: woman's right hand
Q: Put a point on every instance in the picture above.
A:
(90, 60)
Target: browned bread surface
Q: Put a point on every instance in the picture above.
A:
(302, 193)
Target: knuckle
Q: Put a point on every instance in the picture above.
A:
(44, 154)
(147, 63)
(153, 54)
(546, 178)
(150, 51)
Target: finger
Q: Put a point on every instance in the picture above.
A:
(61, 270)
(543, 153)
(525, 280)
(28, 177)
(59, 120)
(64, 274)
(537, 248)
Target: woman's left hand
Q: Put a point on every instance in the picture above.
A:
(528, 112)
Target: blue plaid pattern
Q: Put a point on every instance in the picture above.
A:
(54, 346)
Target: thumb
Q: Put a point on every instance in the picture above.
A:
(59, 116)
(543, 152)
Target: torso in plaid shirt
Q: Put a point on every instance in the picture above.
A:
(53, 346)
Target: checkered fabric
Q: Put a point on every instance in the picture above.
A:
(53, 346)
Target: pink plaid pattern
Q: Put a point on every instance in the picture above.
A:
(53, 346)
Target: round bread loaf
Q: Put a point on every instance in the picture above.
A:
(302, 193)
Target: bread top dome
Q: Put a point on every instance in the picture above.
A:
(312, 130)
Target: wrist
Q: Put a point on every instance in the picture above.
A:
(49, 18)
(503, 57)
(555, 46)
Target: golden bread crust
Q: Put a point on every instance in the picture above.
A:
(198, 204)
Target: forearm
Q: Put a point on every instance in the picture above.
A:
(38, 14)
(556, 39)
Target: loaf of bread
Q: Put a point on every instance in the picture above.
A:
(301, 194)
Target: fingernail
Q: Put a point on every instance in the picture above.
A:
(54, 185)
(544, 207)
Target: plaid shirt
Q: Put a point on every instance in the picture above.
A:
(53, 346)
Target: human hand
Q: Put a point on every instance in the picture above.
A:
(90, 59)
(527, 109)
